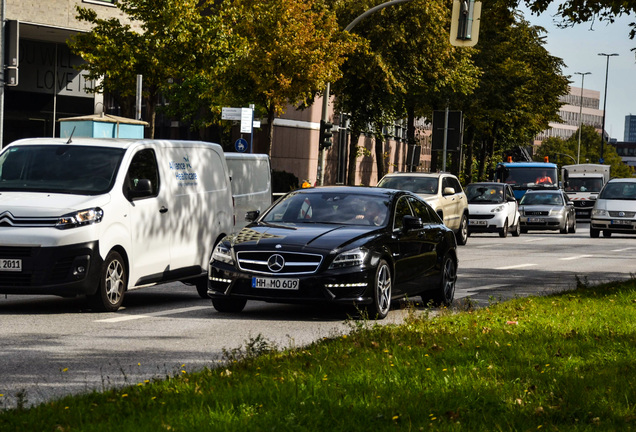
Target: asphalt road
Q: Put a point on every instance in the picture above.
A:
(52, 347)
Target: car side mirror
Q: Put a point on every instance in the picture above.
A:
(252, 215)
(141, 190)
(512, 199)
(412, 223)
(449, 191)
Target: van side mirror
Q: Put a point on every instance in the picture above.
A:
(252, 215)
(141, 190)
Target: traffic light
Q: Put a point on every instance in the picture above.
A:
(325, 134)
(465, 23)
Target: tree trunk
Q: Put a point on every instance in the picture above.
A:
(410, 136)
(270, 130)
(468, 168)
(353, 158)
(379, 155)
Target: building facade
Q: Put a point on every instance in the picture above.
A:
(630, 128)
(578, 108)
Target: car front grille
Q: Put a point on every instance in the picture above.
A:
(583, 203)
(8, 220)
(278, 263)
(629, 215)
(481, 216)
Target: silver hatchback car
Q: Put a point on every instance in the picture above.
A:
(615, 209)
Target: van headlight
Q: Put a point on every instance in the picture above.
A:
(599, 212)
(223, 254)
(80, 218)
(350, 258)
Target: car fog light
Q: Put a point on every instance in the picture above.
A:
(347, 285)
(221, 280)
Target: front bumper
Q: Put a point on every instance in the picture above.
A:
(615, 225)
(541, 222)
(62, 270)
(343, 286)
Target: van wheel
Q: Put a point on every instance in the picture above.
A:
(594, 233)
(462, 232)
(607, 233)
(229, 305)
(112, 284)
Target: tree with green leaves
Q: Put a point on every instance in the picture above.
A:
(159, 40)
(558, 151)
(518, 93)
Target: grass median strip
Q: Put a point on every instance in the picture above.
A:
(558, 362)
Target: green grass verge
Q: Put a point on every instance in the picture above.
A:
(560, 362)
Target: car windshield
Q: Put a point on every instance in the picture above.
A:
(584, 185)
(485, 194)
(418, 185)
(541, 199)
(65, 168)
(619, 191)
(333, 208)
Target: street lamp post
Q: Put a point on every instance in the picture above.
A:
(602, 159)
(578, 153)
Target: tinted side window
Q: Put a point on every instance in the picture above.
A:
(143, 166)
(454, 183)
(423, 211)
(402, 209)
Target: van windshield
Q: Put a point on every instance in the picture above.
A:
(65, 168)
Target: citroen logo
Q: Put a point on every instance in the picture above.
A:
(6, 217)
(276, 263)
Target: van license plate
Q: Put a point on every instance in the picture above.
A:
(275, 283)
(7, 264)
(621, 222)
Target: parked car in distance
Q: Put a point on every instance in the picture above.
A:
(442, 191)
(547, 210)
(615, 209)
(492, 208)
(360, 246)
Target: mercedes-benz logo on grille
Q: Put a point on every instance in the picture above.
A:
(621, 214)
(276, 263)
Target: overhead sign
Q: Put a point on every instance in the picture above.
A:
(228, 113)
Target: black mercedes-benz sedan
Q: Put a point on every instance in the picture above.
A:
(359, 246)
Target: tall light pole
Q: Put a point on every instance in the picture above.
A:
(602, 159)
(578, 153)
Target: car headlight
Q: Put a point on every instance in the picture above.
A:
(599, 212)
(80, 218)
(497, 209)
(350, 258)
(223, 254)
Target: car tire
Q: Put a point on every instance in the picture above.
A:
(202, 287)
(607, 233)
(572, 229)
(516, 231)
(503, 233)
(445, 293)
(462, 233)
(113, 281)
(565, 227)
(381, 296)
(229, 305)
(594, 233)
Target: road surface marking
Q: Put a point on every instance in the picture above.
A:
(153, 314)
(466, 292)
(515, 266)
(575, 257)
(534, 239)
(622, 250)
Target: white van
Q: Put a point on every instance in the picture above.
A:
(251, 179)
(97, 217)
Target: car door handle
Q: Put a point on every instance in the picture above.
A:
(163, 209)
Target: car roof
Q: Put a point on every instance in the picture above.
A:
(122, 143)
(417, 174)
(365, 190)
(624, 180)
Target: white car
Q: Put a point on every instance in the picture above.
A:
(442, 191)
(615, 209)
(492, 207)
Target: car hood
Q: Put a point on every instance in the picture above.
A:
(616, 205)
(31, 204)
(315, 236)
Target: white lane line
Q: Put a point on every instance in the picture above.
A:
(153, 314)
(515, 266)
(534, 239)
(465, 293)
(622, 250)
(575, 257)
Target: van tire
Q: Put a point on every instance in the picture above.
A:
(113, 281)
(229, 305)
